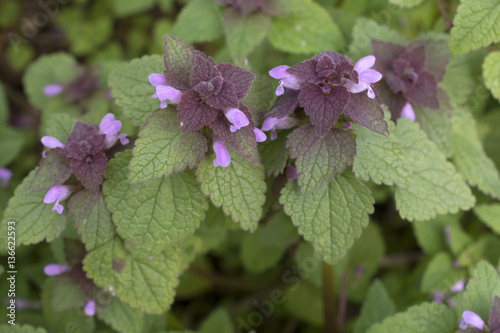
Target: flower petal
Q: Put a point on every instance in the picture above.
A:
(168, 93)
(364, 63)
(53, 89)
(223, 158)
(473, 319)
(370, 76)
(269, 123)
(157, 79)
(279, 72)
(237, 118)
(51, 142)
(259, 135)
(408, 112)
(55, 269)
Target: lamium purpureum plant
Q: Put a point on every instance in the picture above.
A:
(268, 173)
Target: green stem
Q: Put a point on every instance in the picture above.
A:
(329, 297)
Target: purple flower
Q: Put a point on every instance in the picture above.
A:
(51, 142)
(89, 308)
(438, 296)
(236, 118)
(56, 194)
(55, 269)
(471, 319)
(110, 127)
(6, 175)
(348, 125)
(458, 286)
(222, 158)
(408, 112)
(53, 89)
(259, 135)
(366, 76)
(163, 91)
(287, 80)
(272, 124)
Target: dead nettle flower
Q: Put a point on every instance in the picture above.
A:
(83, 155)
(89, 308)
(209, 94)
(272, 124)
(327, 86)
(471, 319)
(6, 175)
(472, 322)
(84, 85)
(412, 74)
(458, 286)
(55, 269)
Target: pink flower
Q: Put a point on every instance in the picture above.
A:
(366, 76)
(6, 175)
(110, 127)
(236, 118)
(163, 91)
(259, 135)
(89, 308)
(272, 124)
(286, 80)
(408, 112)
(56, 194)
(52, 89)
(471, 319)
(55, 269)
(223, 158)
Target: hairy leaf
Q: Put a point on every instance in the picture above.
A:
(121, 316)
(199, 21)
(54, 170)
(489, 214)
(377, 306)
(491, 72)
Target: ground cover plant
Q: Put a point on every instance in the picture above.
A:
(250, 166)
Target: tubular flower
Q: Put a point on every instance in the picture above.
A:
(110, 127)
(272, 124)
(52, 89)
(57, 194)
(259, 135)
(89, 308)
(6, 175)
(408, 112)
(163, 91)
(236, 118)
(366, 76)
(458, 286)
(222, 158)
(471, 319)
(55, 269)
(287, 80)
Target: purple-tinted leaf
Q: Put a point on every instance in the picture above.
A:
(395, 103)
(305, 71)
(213, 86)
(238, 77)
(90, 171)
(81, 132)
(243, 140)
(325, 66)
(437, 55)
(344, 69)
(54, 170)
(194, 113)
(416, 57)
(424, 92)
(74, 251)
(385, 53)
(319, 158)
(225, 99)
(285, 104)
(367, 112)
(203, 70)
(323, 109)
(273, 7)
(80, 149)
(179, 60)
(494, 321)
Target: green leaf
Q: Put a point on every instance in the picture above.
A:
(480, 291)
(437, 188)
(244, 33)
(309, 30)
(199, 21)
(67, 294)
(440, 274)
(423, 318)
(364, 31)
(60, 126)
(332, 217)
(377, 306)
(318, 158)
(146, 283)
(302, 300)
(35, 220)
(130, 86)
(431, 234)
(238, 188)
(489, 214)
(406, 3)
(129, 7)
(54, 68)
(491, 73)
(470, 159)
(274, 154)
(121, 317)
(380, 158)
(11, 143)
(7, 328)
(163, 149)
(63, 321)
(259, 96)
(91, 218)
(487, 247)
(475, 25)
(218, 321)
(151, 216)
(264, 248)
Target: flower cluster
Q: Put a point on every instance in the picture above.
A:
(210, 95)
(83, 155)
(412, 74)
(326, 86)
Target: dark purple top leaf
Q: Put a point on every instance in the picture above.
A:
(425, 91)
(225, 99)
(322, 107)
(305, 71)
(203, 70)
(81, 131)
(285, 104)
(238, 77)
(385, 53)
(367, 112)
(90, 171)
(194, 113)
